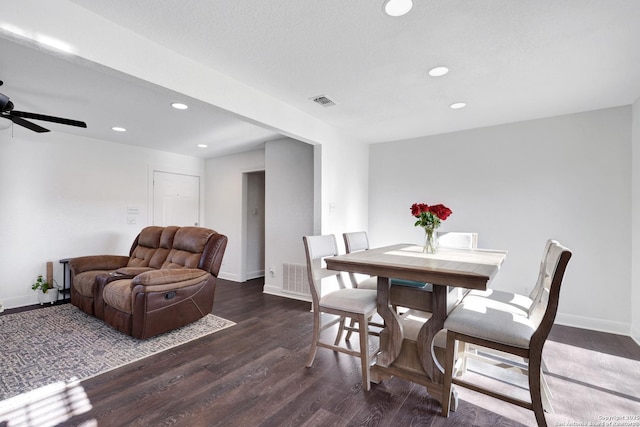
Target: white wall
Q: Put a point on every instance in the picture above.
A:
(224, 203)
(635, 249)
(63, 196)
(345, 189)
(289, 207)
(309, 190)
(567, 178)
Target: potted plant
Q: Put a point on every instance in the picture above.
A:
(47, 292)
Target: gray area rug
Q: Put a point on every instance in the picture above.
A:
(63, 344)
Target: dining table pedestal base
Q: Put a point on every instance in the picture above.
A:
(408, 364)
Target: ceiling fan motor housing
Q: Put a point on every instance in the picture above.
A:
(5, 104)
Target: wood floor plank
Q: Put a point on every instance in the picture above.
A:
(254, 374)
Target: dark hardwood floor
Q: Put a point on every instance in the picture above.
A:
(254, 374)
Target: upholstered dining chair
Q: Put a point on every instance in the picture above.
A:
(457, 239)
(509, 324)
(355, 242)
(356, 304)
(500, 359)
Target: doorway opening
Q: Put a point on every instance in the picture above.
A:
(253, 225)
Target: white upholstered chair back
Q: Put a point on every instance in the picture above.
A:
(316, 249)
(548, 268)
(458, 240)
(356, 241)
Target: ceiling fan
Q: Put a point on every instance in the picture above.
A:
(18, 117)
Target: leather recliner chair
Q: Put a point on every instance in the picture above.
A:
(167, 282)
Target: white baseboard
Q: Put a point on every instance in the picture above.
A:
(601, 325)
(22, 301)
(635, 334)
(228, 276)
(255, 274)
(276, 290)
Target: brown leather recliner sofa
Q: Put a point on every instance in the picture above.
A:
(167, 281)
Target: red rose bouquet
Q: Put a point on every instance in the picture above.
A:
(429, 218)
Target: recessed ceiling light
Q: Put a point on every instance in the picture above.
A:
(118, 129)
(397, 7)
(438, 71)
(457, 105)
(202, 145)
(179, 106)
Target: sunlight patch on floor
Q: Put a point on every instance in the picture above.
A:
(47, 406)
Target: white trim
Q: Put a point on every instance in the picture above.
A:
(228, 276)
(635, 335)
(601, 325)
(277, 291)
(255, 274)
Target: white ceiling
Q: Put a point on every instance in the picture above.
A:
(39, 81)
(509, 61)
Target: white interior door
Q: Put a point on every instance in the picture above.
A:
(176, 199)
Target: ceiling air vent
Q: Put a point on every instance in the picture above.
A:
(323, 100)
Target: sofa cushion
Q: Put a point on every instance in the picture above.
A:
(188, 244)
(150, 236)
(148, 243)
(85, 282)
(168, 234)
(166, 243)
(117, 294)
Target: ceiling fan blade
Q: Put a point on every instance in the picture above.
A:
(35, 116)
(22, 122)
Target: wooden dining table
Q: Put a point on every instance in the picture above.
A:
(446, 271)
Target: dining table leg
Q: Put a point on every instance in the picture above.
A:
(429, 331)
(392, 335)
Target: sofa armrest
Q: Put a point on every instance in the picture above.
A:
(169, 276)
(102, 280)
(97, 262)
(211, 259)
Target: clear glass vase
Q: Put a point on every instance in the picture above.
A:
(430, 240)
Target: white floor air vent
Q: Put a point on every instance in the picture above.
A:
(294, 279)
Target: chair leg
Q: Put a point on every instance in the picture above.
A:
(546, 394)
(463, 351)
(363, 323)
(544, 367)
(535, 388)
(544, 381)
(351, 325)
(340, 331)
(316, 336)
(448, 372)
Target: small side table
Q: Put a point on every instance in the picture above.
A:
(65, 292)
